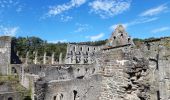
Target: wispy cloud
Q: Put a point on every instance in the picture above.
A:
(95, 37)
(8, 31)
(64, 18)
(145, 17)
(81, 28)
(5, 3)
(55, 10)
(57, 41)
(162, 29)
(135, 22)
(8, 3)
(109, 8)
(19, 8)
(155, 11)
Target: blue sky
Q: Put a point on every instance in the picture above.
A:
(83, 20)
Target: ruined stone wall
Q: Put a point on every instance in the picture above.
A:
(122, 74)
(29, 74)
(10, 89)
(11, 96)
(61, 72)
(76, 89)
(81, 54)
(164, 69)
(119, 37)
(158, 52)
(5, 55)
(125, 75)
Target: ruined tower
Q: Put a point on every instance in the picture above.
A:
(5, 55)
(119, 37)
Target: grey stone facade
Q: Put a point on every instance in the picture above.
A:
(81, 54)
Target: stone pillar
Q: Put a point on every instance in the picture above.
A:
(89, 59)
(44, 58)
(35, 59)
(27, 57)
(67, 60)
(52, 58)
(60, 58)
(22, 74)
(82, 58)
(163, 79)
(74, 58)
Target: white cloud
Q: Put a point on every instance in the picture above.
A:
(82, 27)
(55, 10)
(109, 8)
(8, 31)
(155, 11)
(141, 21)
(162, 29)
(19, 8)
(56, 41)
(66, 18)
(8, 3)
(95, 37)
(136, 22)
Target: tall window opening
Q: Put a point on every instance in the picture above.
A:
(75, 94)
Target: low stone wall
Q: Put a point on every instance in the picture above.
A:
(76, 89)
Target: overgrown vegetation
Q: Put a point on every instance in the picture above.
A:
(9, 78)
(32, 44)
(13, 80)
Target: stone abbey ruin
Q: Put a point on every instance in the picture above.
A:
(117, 70)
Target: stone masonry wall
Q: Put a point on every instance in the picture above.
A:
(5, 55)
(125, 76)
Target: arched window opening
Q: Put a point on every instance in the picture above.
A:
(81, 48)
(121, 35)
(75, 94)
(85, 61)
(54, 98)
(88, 49)
(78, 69)
(77, 60)
(114, 37)
(10, 98)
(128, 39)
(148, 46)
(158, 95)
(14, 70)
(61, 96)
